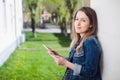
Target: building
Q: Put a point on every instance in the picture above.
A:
(108, 13)
(11, 26)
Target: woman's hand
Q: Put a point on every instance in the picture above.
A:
(60, 60)
(53, 52)
(63, 62)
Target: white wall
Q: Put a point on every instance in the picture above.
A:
(108, 12)
(11, 25)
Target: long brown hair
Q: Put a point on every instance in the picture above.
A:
(91, 14)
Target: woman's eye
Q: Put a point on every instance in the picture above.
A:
(83, 20)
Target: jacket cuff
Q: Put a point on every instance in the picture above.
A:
(77, 69)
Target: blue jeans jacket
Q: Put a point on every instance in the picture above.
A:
(88, 58)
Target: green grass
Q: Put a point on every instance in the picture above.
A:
(32, 62)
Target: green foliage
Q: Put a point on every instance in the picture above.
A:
(37, 14)
(64, 8)
(32, 61)
(78, 5)
(35, 4)
(29, 2)
(58, 4)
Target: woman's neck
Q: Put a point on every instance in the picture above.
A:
(81, 35)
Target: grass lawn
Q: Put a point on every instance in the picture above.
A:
(32, 62)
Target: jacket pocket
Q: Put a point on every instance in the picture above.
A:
(80, 53)
(79, 56)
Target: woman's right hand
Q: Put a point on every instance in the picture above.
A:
(60, 60)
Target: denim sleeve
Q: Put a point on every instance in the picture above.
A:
(92, 58)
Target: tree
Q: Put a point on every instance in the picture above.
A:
(32, 5)
(64, 9)
(71, 4)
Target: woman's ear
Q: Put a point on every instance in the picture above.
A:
(90, 26)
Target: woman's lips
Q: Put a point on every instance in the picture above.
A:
(78, 27)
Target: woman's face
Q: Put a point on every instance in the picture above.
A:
(81, 23)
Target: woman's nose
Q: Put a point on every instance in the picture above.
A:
(78, 23)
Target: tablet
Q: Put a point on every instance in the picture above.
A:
(51, 51)
(46, 47)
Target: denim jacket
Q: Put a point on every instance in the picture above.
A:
(86, 61)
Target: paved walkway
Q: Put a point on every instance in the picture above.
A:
(49, 28)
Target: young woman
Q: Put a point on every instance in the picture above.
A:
(83, 62)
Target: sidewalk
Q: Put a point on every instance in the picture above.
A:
(50, 28)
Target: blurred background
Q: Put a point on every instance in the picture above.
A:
(25, 26)
(40, 14)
